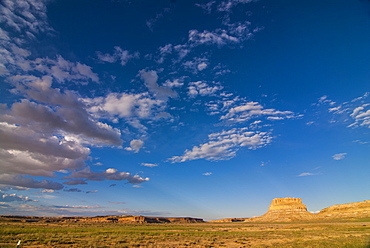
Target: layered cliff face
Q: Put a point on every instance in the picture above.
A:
(284, 210)
(348, 210)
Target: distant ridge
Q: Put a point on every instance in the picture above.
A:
(134, 219)
(348, 210)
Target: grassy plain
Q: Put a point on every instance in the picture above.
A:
(336, 233)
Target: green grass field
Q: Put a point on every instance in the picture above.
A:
(355, 233)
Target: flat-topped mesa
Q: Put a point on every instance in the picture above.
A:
(284, 209)
(288, 203)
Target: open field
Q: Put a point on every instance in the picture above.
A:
(335, 233)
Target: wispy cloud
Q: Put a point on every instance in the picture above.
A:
(304, 174)
(354, 113)
(207, 173)
(149, 164)
(339, 156)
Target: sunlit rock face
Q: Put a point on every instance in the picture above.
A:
(348, 210)
(285, 209)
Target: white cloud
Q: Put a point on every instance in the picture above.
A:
(304, 174)
(355, 113)
(339, 156)
(207, 173)
(226, 6)
(174, 83)
(249, 110)
(135, 145)
(202, 66)
(130, 107)
(219, 37)
(63, 70)
(149, 164)
(203, 89)
(224, 145)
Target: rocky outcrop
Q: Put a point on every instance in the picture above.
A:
(129, 219)
(348, 210)
(284, 210)
(229, 220)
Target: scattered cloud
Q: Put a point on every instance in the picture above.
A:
(149, 164)
(249, 110)
(13, 198)
(225, 144)
(339, 156)
(123, 56)
(207, 173)
(219, 37)
(203, 89)
(354, 113)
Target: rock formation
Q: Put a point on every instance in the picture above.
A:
(348, 210)
(284, 210)
(129, 219)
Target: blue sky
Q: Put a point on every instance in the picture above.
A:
(206, 109)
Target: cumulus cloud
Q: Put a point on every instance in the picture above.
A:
(135, 145)
(224, 145)
(109, 174)
(339, 156)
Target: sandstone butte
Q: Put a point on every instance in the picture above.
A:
(285, 210)
(280, 210)
(292, 209)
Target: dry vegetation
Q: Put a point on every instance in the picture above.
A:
(336, 233)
